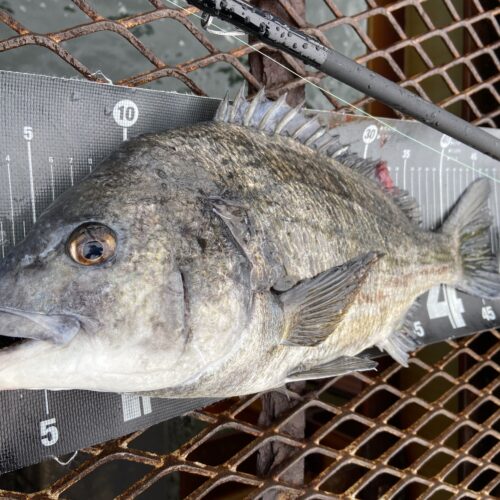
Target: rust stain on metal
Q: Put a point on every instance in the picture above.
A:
(431, 429)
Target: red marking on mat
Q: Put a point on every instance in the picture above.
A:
(383, 175)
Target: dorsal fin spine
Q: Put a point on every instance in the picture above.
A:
(278, 118)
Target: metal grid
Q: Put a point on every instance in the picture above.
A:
(421, 432)
(430, 431)
(466, 35)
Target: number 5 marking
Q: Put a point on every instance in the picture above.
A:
(48, 432)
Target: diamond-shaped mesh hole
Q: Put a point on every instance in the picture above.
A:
(408, 454)
(315, 464)
(486, 31)
(433, 390)
(413, 22)
(99, 50)
(433, 353)
(180, 482)
(377, 445)
(481, 344)
(166, 437)
(40, 19)
(436, 87)
(23, 58)
(377, 486)
(484, 411)
(344, 478)
(409, 60)
(182, 47)
(460, 436)
(407, 415)
(483, 446)
(344, 434)
(460, 400)
(460, 472)
(384, 25)
(437, 51)
(483, 479)
(97, 484)
(484, 99)
(485, 66)
(218, 79)
(462, 40)
(220, 447)
(404, 379)
(438, 12)
(435, 464)
(377, 403)
(459, 364)
(343, 390)
(251, 412)
(320, 14)
(346, 40)
(485, 376)
(316, 417)
(434, 427)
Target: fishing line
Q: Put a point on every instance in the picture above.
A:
(222, 32)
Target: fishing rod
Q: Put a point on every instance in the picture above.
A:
(273, 31)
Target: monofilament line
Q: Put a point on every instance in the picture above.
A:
(338, 98)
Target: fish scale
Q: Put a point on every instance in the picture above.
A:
(346, 256)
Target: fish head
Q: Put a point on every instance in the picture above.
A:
(124, 284)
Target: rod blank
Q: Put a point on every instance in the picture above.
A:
(272, 31)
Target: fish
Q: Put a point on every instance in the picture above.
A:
(227, 258)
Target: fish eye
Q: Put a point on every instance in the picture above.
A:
(91, 244)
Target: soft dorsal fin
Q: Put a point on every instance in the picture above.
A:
(339, 366)
(278, 118)
(315, 306)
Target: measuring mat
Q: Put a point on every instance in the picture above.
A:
(56, 131)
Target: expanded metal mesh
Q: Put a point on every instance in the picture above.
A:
(429, 431)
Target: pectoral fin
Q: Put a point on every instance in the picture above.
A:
(315, 306)
(339, 366)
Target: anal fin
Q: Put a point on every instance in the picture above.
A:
(314, 307)
(340, 366)
(403, 341)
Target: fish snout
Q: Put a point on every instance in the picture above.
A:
(56, 328)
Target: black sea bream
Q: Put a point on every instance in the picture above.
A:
(227, 258)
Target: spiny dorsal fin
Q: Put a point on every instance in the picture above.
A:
(339, 366)
(278, 118)
(315, 306)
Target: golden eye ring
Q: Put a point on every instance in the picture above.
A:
(91, 244)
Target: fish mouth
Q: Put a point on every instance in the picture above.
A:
(18, 324)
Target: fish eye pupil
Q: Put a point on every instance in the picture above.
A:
(92, 250)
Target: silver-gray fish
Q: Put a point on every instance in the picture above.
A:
(227, 258)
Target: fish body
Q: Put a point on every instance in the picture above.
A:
(228, 258)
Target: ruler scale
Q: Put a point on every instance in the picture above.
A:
(55, 131)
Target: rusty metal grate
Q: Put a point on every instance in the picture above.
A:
(421, 432)
(445, 50)
(430, 431)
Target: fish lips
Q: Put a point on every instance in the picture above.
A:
(56, 328)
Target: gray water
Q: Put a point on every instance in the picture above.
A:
(116, 58)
